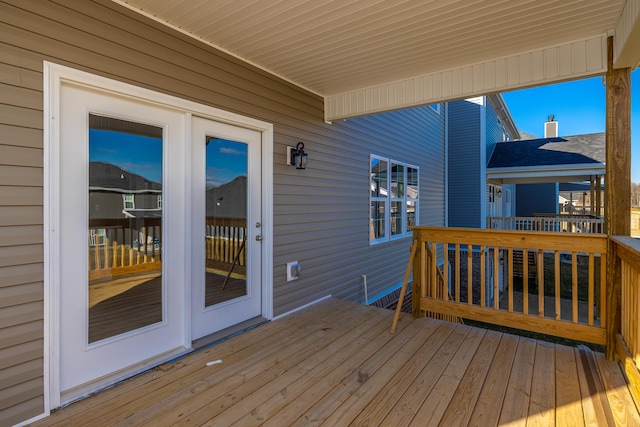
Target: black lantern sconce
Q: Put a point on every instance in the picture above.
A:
(297, 157)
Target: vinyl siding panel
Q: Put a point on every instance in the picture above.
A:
(493, 131)
(334, 253)
(536, 198)
(320, 214)
(465, 186)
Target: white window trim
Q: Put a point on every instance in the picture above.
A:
(389, 200)
(129, 198)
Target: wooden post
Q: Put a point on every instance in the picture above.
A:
(416, 288)
(591, 197)
(617, 185)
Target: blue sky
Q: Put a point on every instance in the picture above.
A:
(137, 154)
(579, 108)
(226, 160)
(142, 155)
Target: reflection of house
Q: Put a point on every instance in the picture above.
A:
(228, 200)
(538, 166)
(117, 193)
(475, 126)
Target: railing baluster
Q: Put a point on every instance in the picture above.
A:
(496, 272)
(603, 290)
(574, 288)
(445, 265)
(423, 269)
(434, 270)
(469, 275)
(591, 291)
(556, 262)
(457, 272)
(510, 278)
(540, 283)
(483, 276)
(525, 281)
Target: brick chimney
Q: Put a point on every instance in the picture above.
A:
(551, 128)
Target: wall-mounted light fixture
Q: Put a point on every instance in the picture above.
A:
(296, 156)
(499, 192)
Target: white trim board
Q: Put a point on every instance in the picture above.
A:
(553, 64)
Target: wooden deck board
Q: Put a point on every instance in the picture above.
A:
(568, 400)
(516, 400)
(434, 406)
(458, 412)
(489, 404)
(622, 406)
(345, 400)
(410, 402)
(542, 406)
(378, 408)
(336, 363)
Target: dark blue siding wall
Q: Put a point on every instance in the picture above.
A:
(536, 198)
(465, 185)
(493, 131)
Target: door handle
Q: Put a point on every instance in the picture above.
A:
(259, 238)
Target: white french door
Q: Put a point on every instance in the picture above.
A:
(154, 227)
(226, 222)
(122, 236)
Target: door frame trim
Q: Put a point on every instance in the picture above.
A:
(54, 76)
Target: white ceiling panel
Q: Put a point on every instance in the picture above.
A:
(335, 46)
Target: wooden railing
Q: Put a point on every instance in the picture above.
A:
(556, 223)
(480, 269)
(627, 253)
(123, 246)
(225, 243)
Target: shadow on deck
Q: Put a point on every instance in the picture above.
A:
(335, 363)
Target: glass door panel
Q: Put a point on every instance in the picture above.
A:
(226, 221)
(226, 249)
(125, 227)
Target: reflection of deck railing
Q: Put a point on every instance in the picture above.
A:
(555, 223)
(124, 246)
(560, 301)
(224, 242)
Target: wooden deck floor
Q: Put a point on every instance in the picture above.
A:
(336, 364)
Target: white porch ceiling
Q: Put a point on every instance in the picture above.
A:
(356, 53)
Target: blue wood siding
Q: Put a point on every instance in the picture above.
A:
(465, 186)
(536, 198)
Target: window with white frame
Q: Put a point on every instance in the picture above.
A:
(394, 194)
(129, 202)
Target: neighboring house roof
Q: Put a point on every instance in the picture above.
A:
(560, 159)
(109, 177)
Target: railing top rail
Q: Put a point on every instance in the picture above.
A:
(227, 222)
(596, 243)
(565, 215)
(581, 219)
(628, 249)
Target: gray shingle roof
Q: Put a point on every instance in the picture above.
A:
(568, 150)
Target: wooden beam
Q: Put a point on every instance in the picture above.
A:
(617, 184)
(542, 325)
